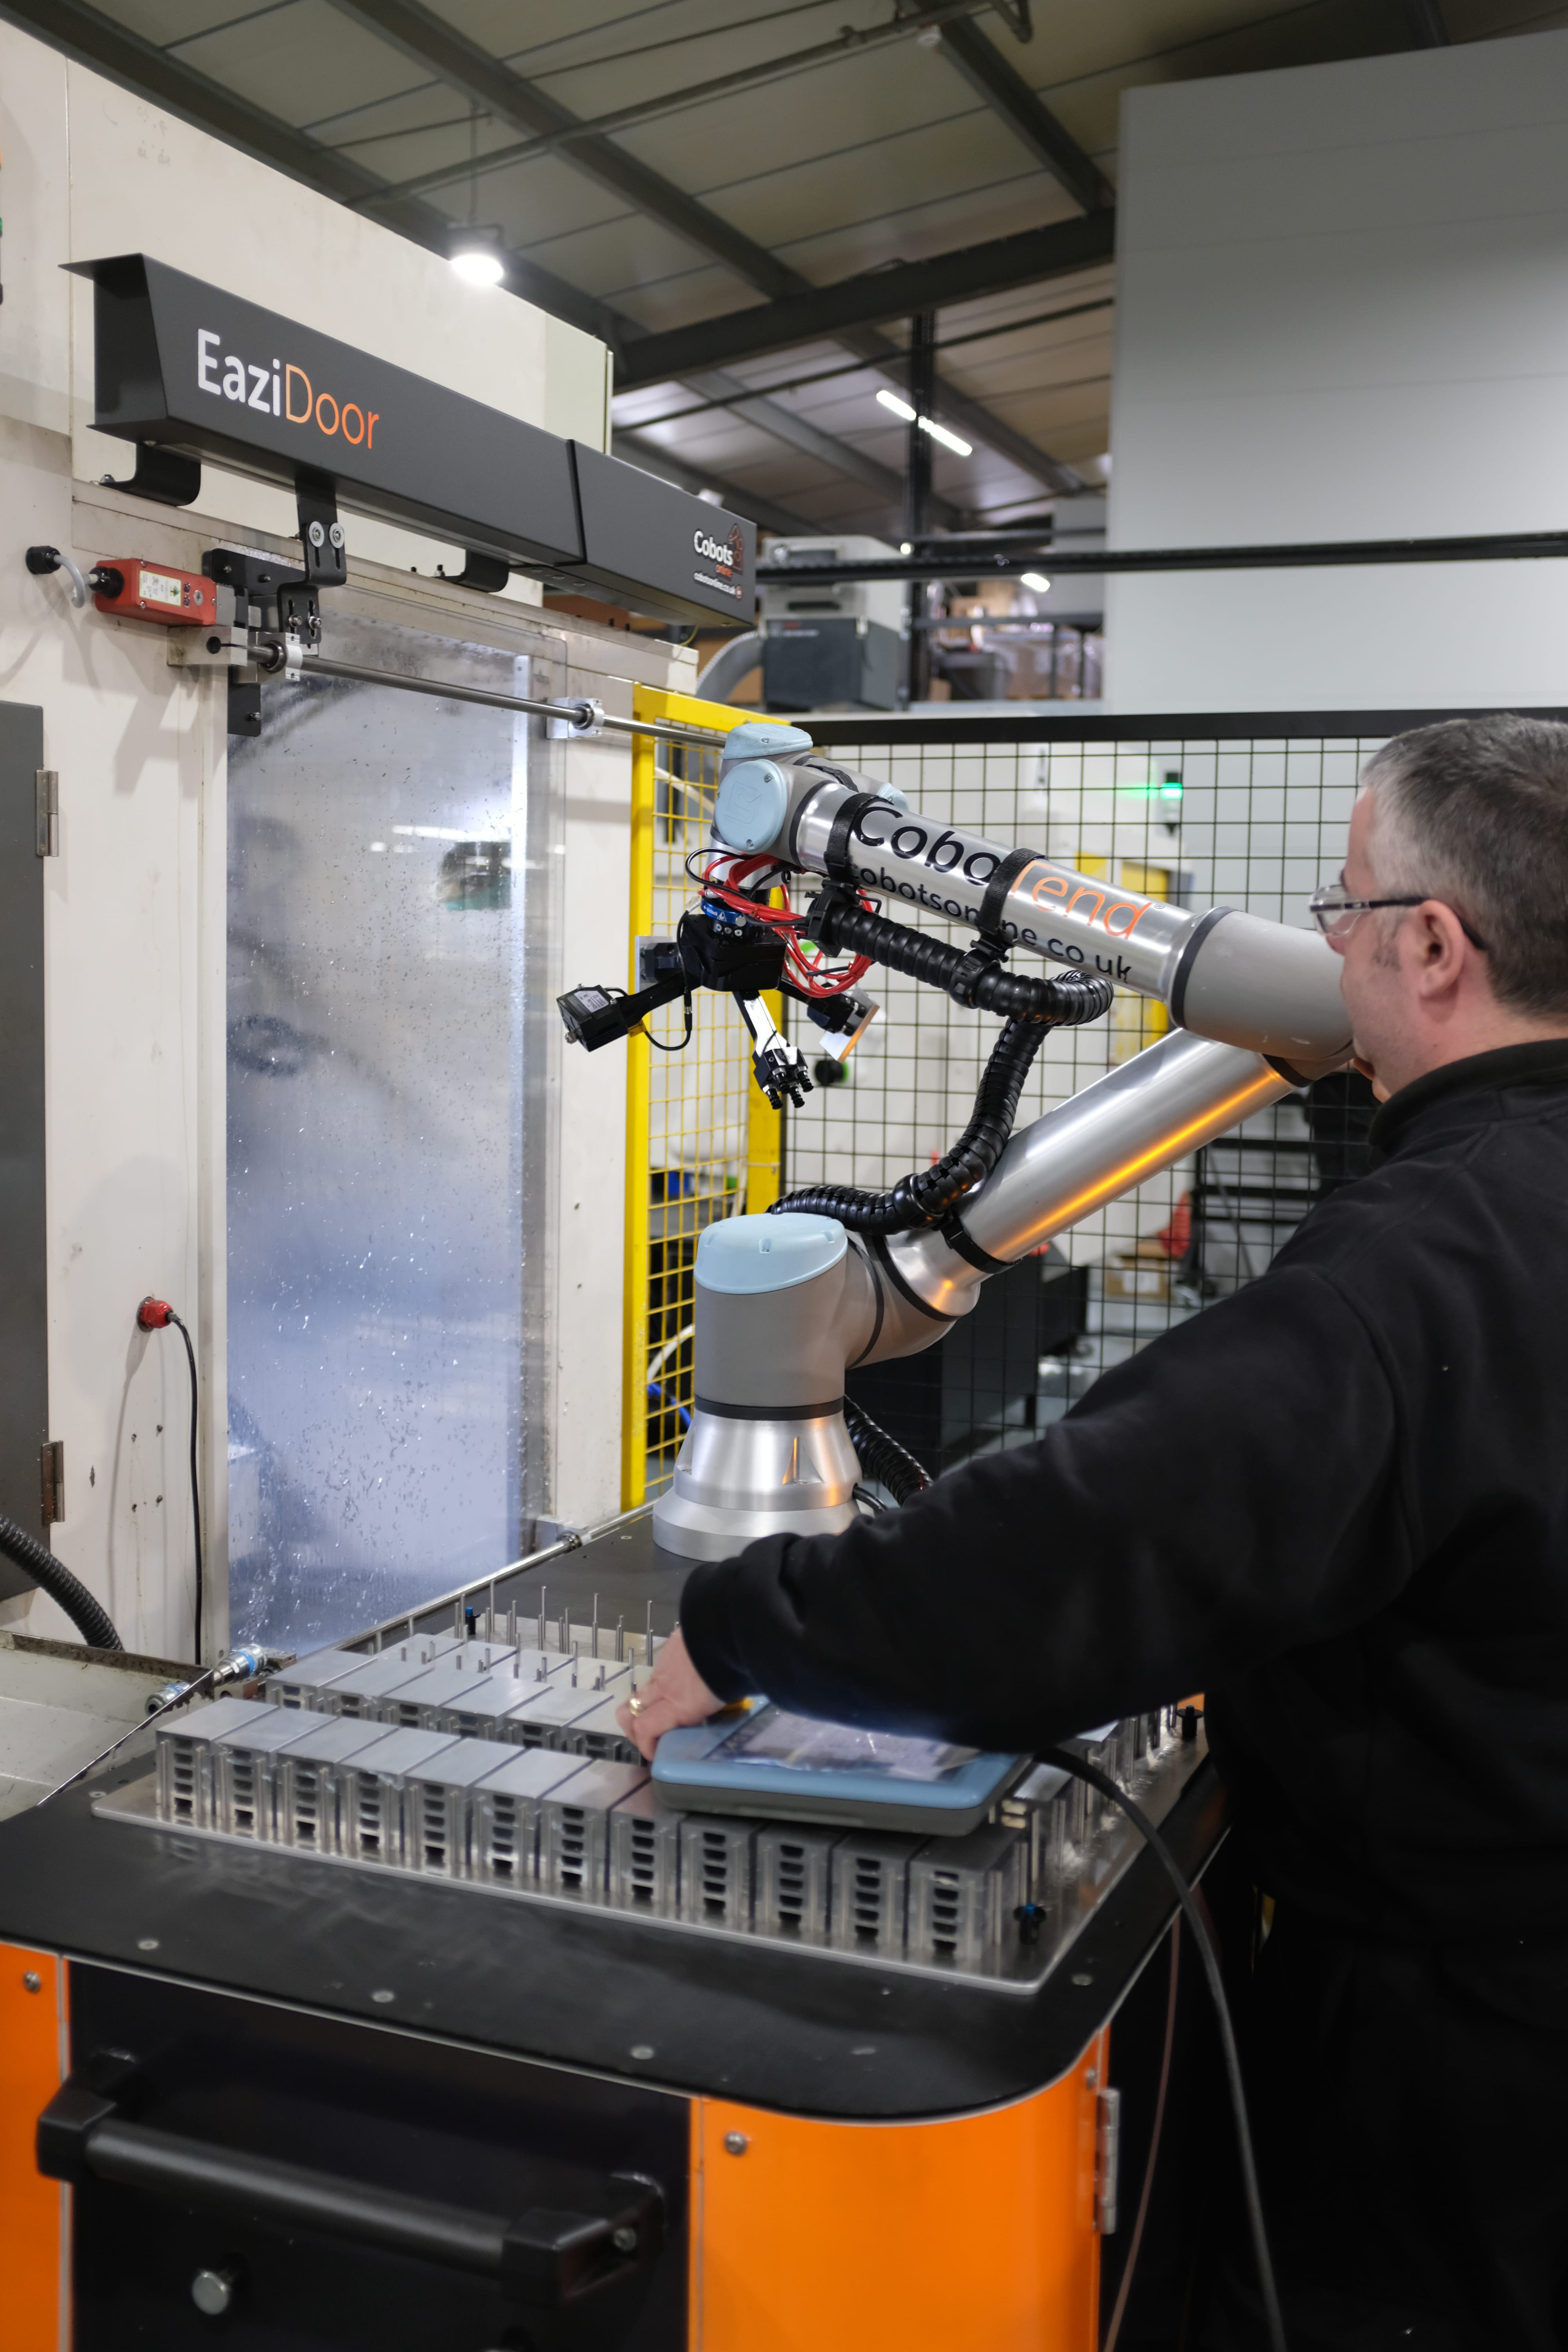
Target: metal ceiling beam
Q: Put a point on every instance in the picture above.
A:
(1009, 96)
(763, 513)
(849, 43)
(431, 43)
(772, 416)
(982, 423)
(511, 99)
(875, 295)
(95, 40)
(1426, 24)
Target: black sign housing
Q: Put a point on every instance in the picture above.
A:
(186, 366)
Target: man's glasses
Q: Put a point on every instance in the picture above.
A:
(1336, 913)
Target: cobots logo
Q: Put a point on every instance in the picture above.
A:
(728, 557)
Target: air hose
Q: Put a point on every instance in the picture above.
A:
(52, 1576)
(925, 1197)
(972, 976)
(882, 1457)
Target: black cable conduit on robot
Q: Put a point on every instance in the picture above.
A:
(882, 1457)
(971, 976)
(52, 1576)
(925, 1196)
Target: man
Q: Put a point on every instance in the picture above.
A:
(1338, 1503)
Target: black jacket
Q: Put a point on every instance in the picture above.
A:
(1337, 1503)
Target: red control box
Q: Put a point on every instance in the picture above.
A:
(153, 591)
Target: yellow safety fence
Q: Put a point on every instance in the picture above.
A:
(701, 1142)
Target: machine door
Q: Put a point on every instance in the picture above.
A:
(277, 2181)
(388, 1032)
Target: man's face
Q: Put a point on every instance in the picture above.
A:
(1373, 979)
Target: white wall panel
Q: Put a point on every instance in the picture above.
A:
(135, 906)
(1343, 313)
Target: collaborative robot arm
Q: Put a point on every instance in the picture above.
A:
(786, 1303)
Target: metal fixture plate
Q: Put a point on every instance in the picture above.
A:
(1087, 1868)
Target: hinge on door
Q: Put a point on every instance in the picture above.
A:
(1107, 2160)
(52, 1480)
(46, 807)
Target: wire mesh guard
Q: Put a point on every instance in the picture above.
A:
(1251, 825)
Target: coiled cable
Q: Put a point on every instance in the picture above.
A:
(52, 1576)
(972, 976)
(925, 1196)
(882, 1457)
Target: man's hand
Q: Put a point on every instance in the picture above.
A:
(675, 1693)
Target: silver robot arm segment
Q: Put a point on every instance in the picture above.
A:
(786, 1304)
(1224, 974)
(1155, 1109)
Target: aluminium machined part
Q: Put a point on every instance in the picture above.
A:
(1002, 1902)
(447, 1685)
(504, 1832)
(794, 1880)
(367, 1688)
(574, 1827)
(548, 1714)
(964, 1894)
(645, 1854)
(308, 1779)
(371, 1810)
(184, 1747)
(598, 1735)
(717, 1860)
(871, 1890)
(244, 1772)
(479, 1710)
(305, 1682)
(437, 1809)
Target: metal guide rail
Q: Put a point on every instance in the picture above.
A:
(499, 1766)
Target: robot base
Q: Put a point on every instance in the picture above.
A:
(738, 1478)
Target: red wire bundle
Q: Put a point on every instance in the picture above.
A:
(805, 964)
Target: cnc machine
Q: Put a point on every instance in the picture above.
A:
(392, 2002)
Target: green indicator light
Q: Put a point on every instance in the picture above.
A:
(1171, 789)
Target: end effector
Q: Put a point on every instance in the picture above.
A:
(738, 959)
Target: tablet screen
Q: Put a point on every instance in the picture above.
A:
(772, 1737)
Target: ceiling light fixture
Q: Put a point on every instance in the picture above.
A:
(1036, 581)
(476, 255)
(909, 415)
(949, 440)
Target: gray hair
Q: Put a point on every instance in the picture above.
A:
(1475, 811)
